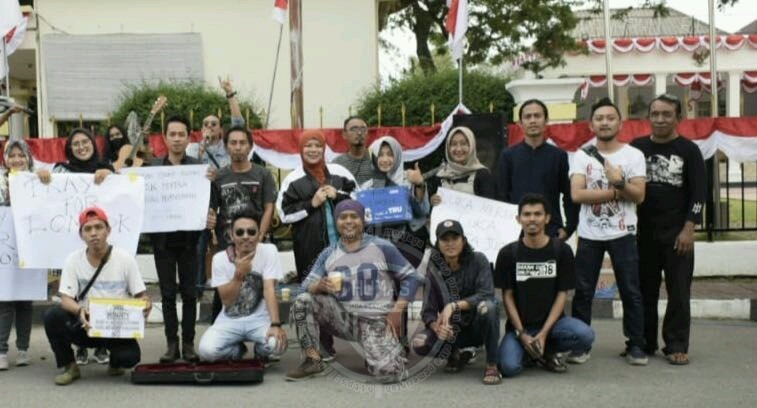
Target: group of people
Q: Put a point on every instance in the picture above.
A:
(639, 202)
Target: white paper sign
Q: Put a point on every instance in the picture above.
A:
(17, 283)
(176, 197)
(47, 215)
(116, 318)
(488, 224)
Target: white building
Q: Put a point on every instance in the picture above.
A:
(77, 54)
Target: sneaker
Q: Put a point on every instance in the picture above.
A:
(82, 356)
(580, 358)
(329, 355)
(472, 351)
(309, 368)
(553, 364)
(68, 376)
(635, 356)
(115, 371)
(102, 356)
(23, 359)
(3, 362)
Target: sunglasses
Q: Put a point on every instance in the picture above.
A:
(358, 129)
(239, 232)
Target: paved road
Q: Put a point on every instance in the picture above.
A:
(723, 374)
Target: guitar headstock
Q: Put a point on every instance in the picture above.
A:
(159, 104)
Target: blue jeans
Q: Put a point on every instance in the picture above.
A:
(223, 340)
(625, 263)
(568, 334)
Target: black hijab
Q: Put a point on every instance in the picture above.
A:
(74, 165)
(113, 146)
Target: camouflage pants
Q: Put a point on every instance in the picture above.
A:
(383, 353)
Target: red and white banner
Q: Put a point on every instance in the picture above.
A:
(599, 81)
(280, 10)
(10, 16)
(731, 42)
(457, 25)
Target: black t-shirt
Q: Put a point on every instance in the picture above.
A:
(676, 187)
(252, 189)
(535, 276)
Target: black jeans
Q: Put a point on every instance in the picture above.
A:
(625, 263)
(184, 260)
(483, 329)
(654, 257)
(124, 353)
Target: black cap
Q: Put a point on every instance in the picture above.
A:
(448, 226)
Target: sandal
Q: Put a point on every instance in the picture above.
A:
(492, 376)
(457, 361)
(678, 358)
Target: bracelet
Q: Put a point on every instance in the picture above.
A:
(231, 95)
(276, 324)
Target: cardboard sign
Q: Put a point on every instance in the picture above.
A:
(488, 224)
(46, 216)
(116, 318)
(17, 283)
(386, 205)
(176, 197)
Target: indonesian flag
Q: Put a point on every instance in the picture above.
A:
(12, 29)
(280, 10)
(457, 25)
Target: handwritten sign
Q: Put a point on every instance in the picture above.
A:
(116, 318)
(17, 283)
(176, 197)
(488, 224)
(47, 215)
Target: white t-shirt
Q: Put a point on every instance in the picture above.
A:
(265, 264)
(613, 219)
(119, 278)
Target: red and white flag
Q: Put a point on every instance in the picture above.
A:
(457, 25)
(10, 16)
(280, 10)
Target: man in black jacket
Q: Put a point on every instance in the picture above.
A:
(175, 252)
(459, 310)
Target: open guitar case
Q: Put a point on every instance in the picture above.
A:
(222, 372)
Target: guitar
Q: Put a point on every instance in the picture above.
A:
(133, 155)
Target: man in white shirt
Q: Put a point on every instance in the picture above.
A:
(608, 180)
(119, 278)
(245, 275)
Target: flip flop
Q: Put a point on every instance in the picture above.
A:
(678, 358)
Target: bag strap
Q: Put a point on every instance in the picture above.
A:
(593, 152)
(83, 293)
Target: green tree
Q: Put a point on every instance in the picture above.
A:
(183, 98)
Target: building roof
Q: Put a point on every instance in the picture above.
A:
(640, 22)
(750, 28)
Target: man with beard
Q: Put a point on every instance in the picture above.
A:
(357, 160)
(673, 207)
(350, 294)
(245, 276)
(535, 166)
(608, 181)
(535, 274)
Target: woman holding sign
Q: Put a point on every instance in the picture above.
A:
(16, 157)
(462, 171)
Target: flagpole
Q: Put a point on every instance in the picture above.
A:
(460, 81)
(608, 52)
(273, 80)
(7, 69)
(713, 62)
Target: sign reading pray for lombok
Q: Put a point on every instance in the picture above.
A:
(17, 283)
(116, 318)
(488, 224)
(176, 197)
(46, 216)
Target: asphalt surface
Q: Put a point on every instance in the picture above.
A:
(722, 373)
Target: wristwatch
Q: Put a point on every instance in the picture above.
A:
(620, 184)
(275, 324)
(517, 333)
(231, 94)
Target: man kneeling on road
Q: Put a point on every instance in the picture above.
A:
(97, 271)
(350, 293)
(535, 274)
(244, 274)
(459, 308)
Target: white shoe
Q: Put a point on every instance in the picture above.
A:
(578, 358)
(23, 359)
(3, 362)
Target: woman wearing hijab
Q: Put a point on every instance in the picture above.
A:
(307, 198)
(16, 157)
(461, 171)
(388, 171)
(116, 140)
(82, 157)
